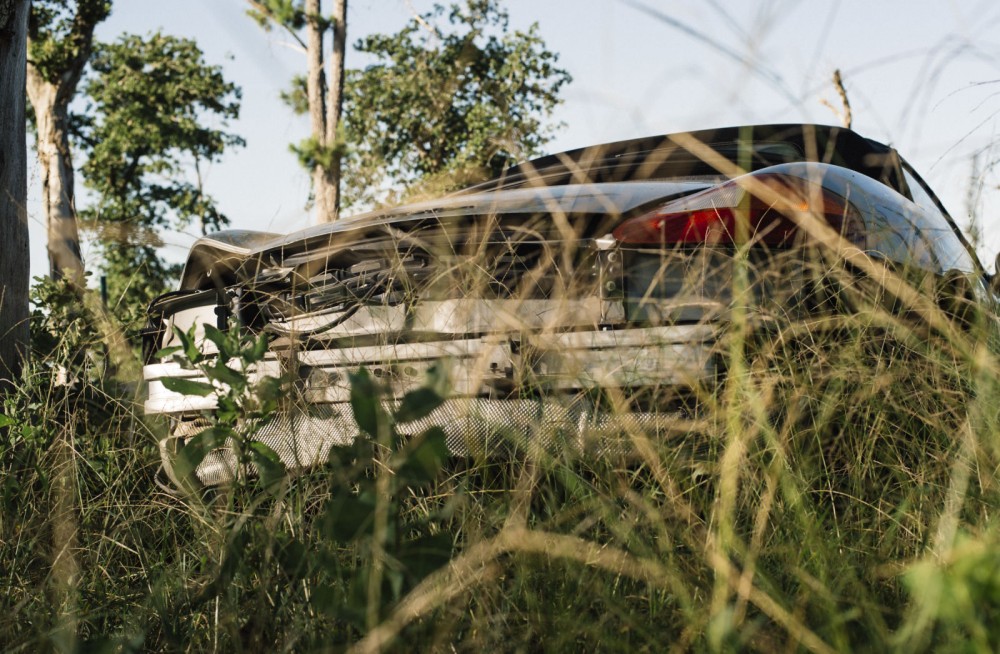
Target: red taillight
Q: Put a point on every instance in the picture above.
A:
(711, 217)
(706, 226)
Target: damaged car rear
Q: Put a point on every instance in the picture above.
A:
(577, 298)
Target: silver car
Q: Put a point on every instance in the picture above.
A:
(577, 297)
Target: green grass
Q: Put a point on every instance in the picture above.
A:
(837, 493)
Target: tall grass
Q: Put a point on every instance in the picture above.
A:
(836, 492)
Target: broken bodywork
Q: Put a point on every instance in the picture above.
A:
(579, 297)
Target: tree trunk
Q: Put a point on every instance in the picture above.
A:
(14, 265)
(51, 86)
(335, 103)
(56, 162)
(325, 106)
(315, 94)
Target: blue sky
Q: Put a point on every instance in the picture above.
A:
(923, 75)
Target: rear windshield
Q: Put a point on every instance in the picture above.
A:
(667, 162)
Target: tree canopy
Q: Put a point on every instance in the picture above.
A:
(61, 34)
(453, 97)
(156, 112)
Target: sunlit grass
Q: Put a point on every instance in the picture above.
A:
(834, 492)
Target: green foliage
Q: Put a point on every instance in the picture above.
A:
(838, 496)
(296, 97)
(68, 371)
(363, 548)
(436, 110)
(54, 33)
(64, 331)
(960, 594)
(289, 14)
(152, 101)
(68, 431)
(440, 109)
(312, 153)
(372, 481)
(246, 404)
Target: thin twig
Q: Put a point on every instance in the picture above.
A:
(838, 83)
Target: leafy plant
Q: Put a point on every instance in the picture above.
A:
(365, 548)
(245, 404)
(371, 483)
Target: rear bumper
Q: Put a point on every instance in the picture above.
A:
(473, 427)
(528, 394)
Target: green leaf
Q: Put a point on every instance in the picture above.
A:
(348, 517)
(6, 421)
(221, 341)
(438, 379)
(227, 411)
(270, 389)
(220, 372)
(294, 558)
(264, 451)
(422, 556)
(269, 464)
(258, 351)
(191, 350)
(197, 448)
(167, 352)
(418, 404)
(343, 457)
(423, 463)
(187, 386)
(366, 403)
(328, 599)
